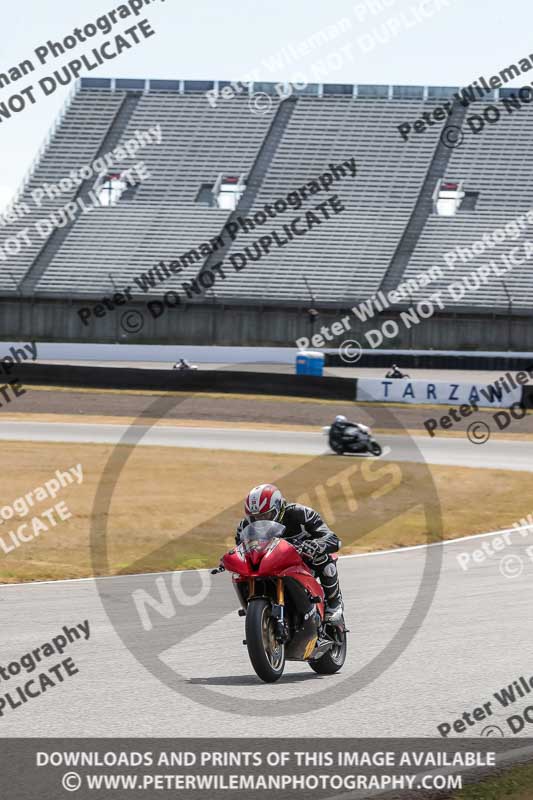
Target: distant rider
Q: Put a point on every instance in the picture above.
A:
(394, 372)
(340, 423)
(307, 531)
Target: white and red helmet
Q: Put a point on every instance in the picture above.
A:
(264, 502)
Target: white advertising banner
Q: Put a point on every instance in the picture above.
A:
(501, 393)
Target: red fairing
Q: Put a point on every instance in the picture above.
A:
(280, 558)
(233, 562)
(285, 561)
(282, 561)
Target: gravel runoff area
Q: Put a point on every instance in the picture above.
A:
(239, 408)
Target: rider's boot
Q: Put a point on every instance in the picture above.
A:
(334, 611)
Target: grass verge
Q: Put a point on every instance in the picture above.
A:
(177, 508)
(516, 784)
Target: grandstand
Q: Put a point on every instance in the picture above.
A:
(498, 165)
(388, 232)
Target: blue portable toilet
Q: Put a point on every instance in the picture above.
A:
(310, 363)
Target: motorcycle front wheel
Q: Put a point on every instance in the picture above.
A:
(375, 448)
(337, 447)
(266, 653)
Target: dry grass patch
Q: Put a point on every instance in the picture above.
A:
(177, 508)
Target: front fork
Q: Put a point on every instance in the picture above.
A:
(278, 609)
(278, 612)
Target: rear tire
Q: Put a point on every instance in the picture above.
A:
(332, 661)
(266, 654)
(375, 448)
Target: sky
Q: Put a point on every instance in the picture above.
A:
(435, 42)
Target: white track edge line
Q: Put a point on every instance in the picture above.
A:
(206, 569)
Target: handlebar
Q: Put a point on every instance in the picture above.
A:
(220, 568)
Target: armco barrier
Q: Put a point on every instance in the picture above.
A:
(193, 381)
(496, 362)
(527, 396)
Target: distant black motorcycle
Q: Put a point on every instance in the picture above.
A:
(394, 372)
(184, 366)
(352, 438)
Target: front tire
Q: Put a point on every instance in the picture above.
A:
(336, 446)
(332, 661)
(266, 654)
(375, 448)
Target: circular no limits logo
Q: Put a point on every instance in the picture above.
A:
(200, 600)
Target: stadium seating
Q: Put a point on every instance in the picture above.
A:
(498, 164)
(74, 144)
(163, 221)
(346, 259)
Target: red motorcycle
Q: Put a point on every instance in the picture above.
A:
(283, 604)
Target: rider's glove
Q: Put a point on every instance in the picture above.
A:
(313, 549)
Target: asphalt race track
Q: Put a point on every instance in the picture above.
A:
(407, 671)
(474, 640)
(495, 453)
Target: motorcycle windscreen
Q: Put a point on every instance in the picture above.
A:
(258, 535)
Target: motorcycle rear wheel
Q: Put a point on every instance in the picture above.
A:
(266, 654)
(334, 659)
